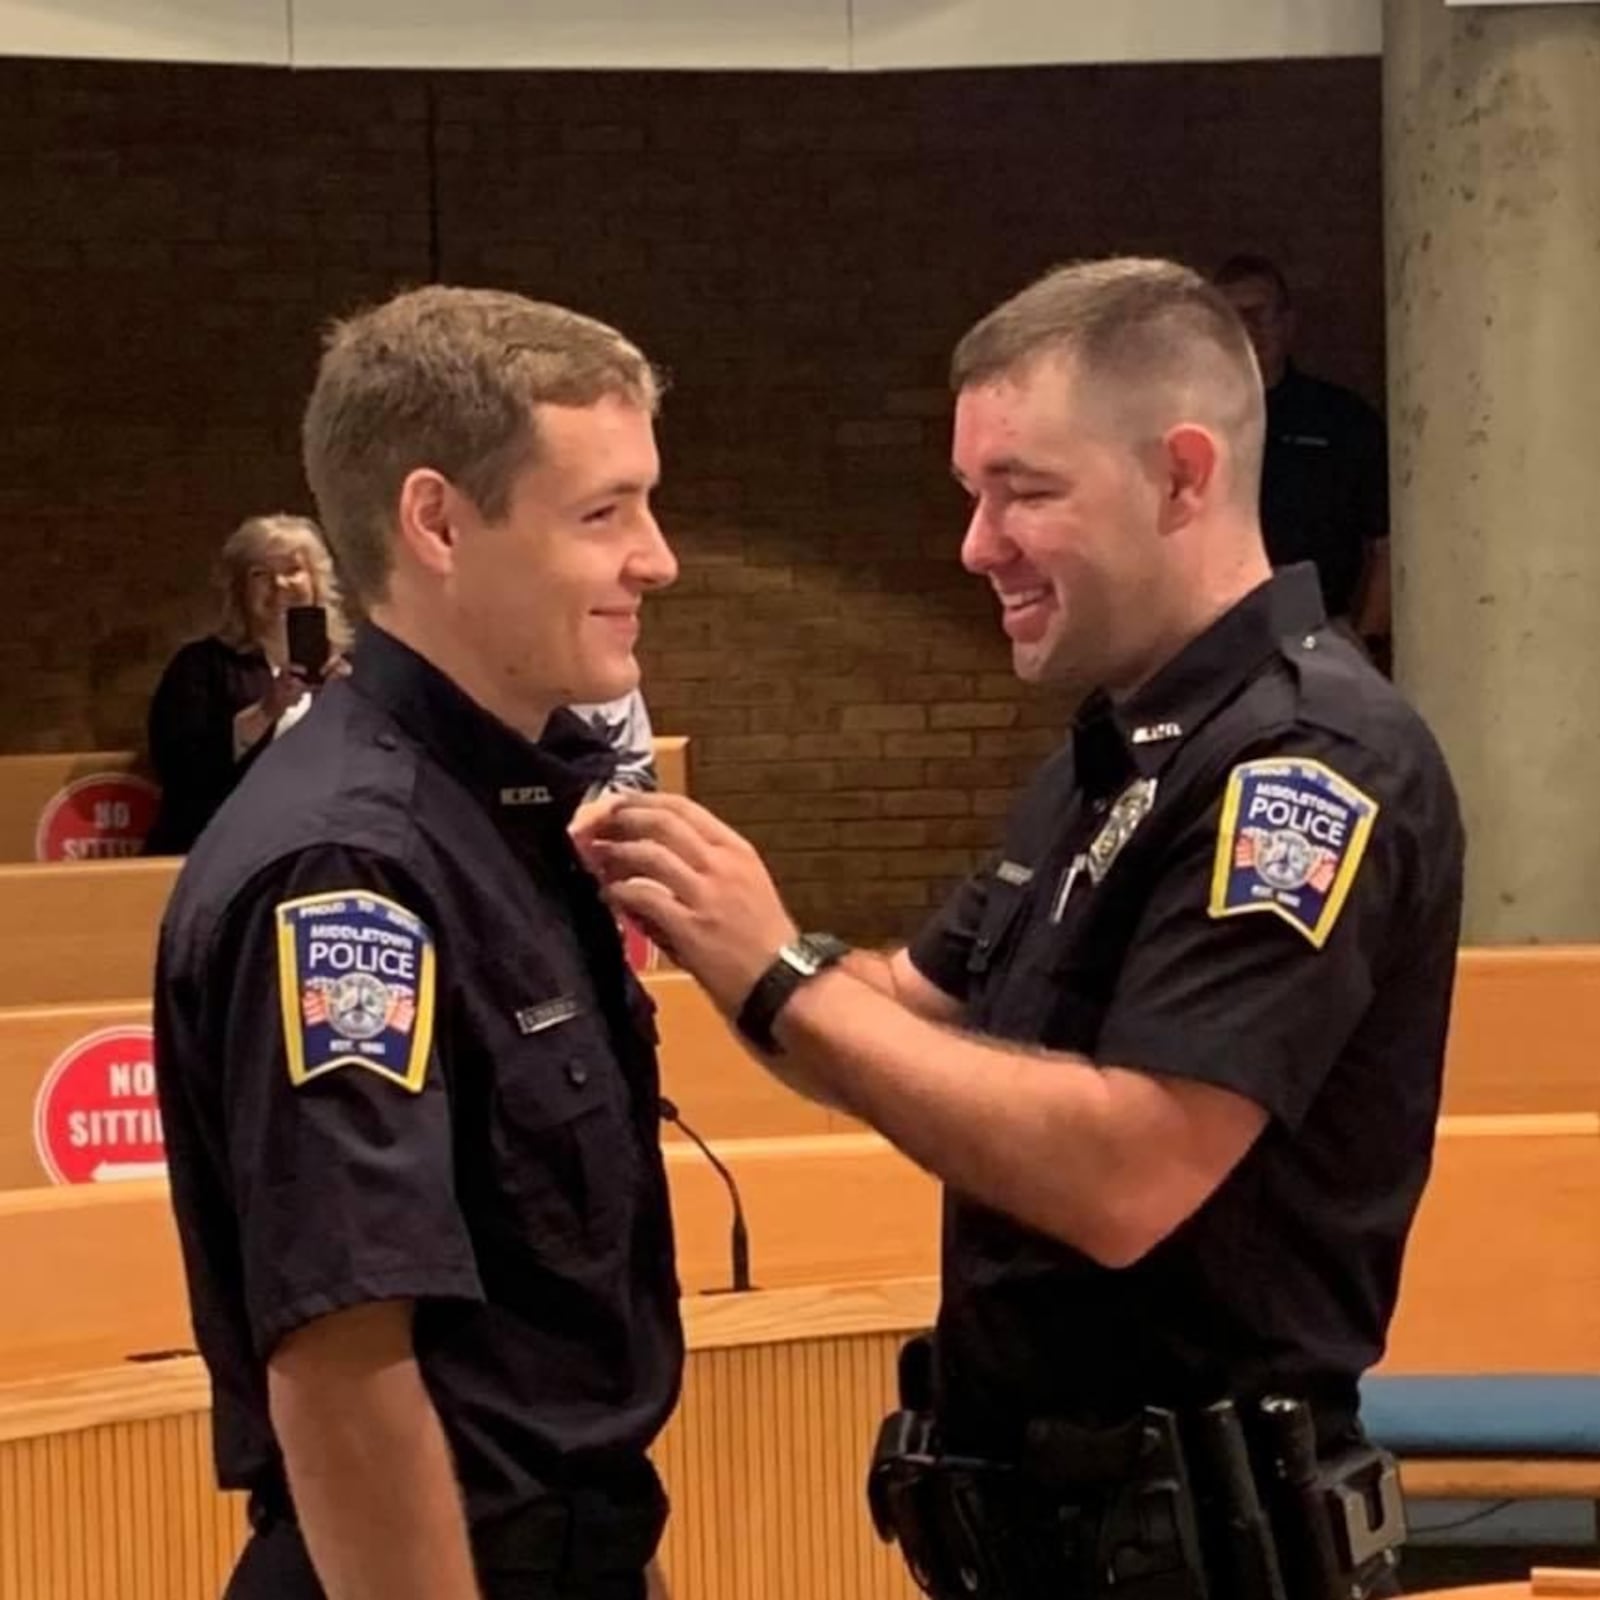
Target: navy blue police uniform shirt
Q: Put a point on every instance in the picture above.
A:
(401, 1056)
(1324, 483)
(1246, 875)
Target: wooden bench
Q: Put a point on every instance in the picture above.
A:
(93, 1272)
(104, 1448)
(1502, 1282)
(32, 785)
(1545, 1584)
(82, 931)
(35, 788)
(1525, 1034)
(1525, 1031)
(105, 1482)
(721, 1091)
(85, 931)
(94, 1280)
(1501, 1286)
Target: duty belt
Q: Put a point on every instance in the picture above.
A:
(1222, 1503)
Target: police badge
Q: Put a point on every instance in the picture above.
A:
(1293, 834)
(355, 979)
(1128, 810)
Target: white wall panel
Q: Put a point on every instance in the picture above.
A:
(953, 33)
(801, 34)
(148, 30)
(784, 34)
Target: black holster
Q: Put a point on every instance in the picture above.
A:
(1082, 1512)
(1341, 1521)
(1212, 1505)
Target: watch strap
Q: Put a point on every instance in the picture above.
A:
(796, 964)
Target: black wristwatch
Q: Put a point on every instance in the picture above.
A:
(795, 964)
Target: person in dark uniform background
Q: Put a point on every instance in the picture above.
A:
(1176, 1050)
(1325, 477)
(409, 1085)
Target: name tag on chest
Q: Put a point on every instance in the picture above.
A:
(547, 1014)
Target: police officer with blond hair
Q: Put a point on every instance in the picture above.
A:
(409, 1084)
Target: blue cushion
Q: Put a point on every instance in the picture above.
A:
(1493, 1415)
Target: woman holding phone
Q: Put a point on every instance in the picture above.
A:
(223, 698)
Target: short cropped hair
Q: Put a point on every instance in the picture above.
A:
(447, 379)
(1153, 338)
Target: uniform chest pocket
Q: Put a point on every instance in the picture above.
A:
(563, 1146)
(1035, 982)
(1072, 996)
(1004, 905)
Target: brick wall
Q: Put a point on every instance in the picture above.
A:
(800, 252)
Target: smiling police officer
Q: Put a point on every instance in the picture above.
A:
(1176, 1050)
(408, 1082)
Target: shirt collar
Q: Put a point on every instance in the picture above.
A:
(1288, 379)
(516, 777)
(1115, 742)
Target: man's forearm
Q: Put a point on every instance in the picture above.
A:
(1021, 1135)
(375, 1489)
(1104, 1158)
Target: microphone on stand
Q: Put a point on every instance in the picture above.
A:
(739, 1238)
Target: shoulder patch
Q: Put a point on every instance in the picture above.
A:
(355, 979)
(1293, 833)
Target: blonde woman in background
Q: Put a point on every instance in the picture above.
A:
(224, 698)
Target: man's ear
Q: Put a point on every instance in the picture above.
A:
(1191, 461)
(429, 506)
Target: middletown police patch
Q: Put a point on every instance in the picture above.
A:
(355, 979)
(1292, 836)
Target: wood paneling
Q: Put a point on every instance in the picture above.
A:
(765, 1462)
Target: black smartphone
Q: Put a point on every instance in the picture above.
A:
(308, 640)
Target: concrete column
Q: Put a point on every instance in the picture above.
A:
(1492, 202)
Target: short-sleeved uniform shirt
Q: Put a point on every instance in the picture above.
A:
(400, 1055)
(1324, 483)
(1246, 875)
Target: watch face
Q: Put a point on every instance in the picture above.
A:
(800, 958)
(825, 948)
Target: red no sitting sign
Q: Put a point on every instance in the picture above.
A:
(97, 818)
(95, 1117)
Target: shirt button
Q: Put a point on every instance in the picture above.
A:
(577, 1074)
(1310, 641)
(387, 741)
